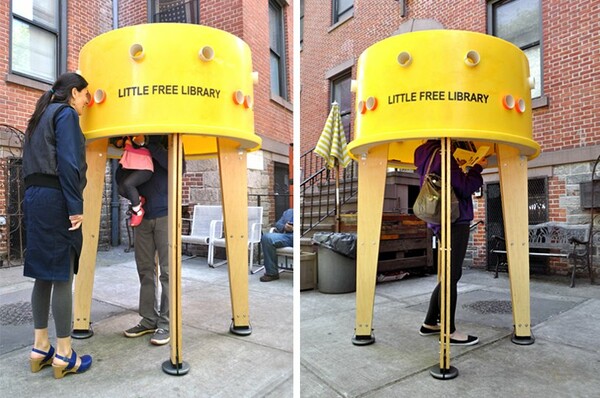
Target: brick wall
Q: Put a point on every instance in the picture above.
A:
(571, 60)
(247, 19)
(571, 72)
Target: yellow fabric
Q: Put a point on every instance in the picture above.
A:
(332, 143)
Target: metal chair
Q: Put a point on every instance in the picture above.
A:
(217, 238)
(202, 220)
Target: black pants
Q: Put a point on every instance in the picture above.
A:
(459, 242)
(129, 180)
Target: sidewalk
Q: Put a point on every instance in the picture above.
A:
(221, 364)
(564, 361)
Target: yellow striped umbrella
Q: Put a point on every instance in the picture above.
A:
(333, 148)
(332, 143)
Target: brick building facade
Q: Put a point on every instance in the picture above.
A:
(566, 119)
(73, 23)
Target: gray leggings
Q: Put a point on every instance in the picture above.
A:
(62, 303)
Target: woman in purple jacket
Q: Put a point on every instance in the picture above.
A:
(464, 185)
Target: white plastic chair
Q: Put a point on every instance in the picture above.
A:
(202, 219)
(217, 239)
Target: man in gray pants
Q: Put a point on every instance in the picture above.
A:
(151, 237)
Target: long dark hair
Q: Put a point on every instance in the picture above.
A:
(59, 93)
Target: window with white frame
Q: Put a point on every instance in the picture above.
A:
(35, 39)
(342, 9)
(277, 50)
(520, 22)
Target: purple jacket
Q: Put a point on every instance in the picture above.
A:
(464, 184)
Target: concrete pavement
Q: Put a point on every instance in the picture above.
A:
(564, 361)
(222, 364)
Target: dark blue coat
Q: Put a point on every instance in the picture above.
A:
(47, 207)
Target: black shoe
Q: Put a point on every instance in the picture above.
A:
(138, 330)
(160, 337)
(269, 278)
(471, 340)
(428, 332)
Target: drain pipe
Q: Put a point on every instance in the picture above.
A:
(114, 163)
(114, 204)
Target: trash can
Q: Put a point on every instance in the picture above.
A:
(336, 268)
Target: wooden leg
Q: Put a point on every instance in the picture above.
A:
(234, 187)
(444, 371)
(371, 187)
(175, 365)
(513, 187)
(92, 205)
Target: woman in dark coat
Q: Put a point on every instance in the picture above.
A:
(464, 185)
(54, 168)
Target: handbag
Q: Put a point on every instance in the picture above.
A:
(428, 205)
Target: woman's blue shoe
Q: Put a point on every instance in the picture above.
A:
(69, 367)
(38, 363)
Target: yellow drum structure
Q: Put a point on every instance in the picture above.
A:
(194, 83)
(442, 84)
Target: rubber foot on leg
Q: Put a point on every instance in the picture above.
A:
(175, 369)
(240, 330)
(81, 334)
(443, 374)
(363, 340)
(522, 340)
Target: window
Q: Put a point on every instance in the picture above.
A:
(519, 22)
(277, 47)
(342, 9)
(181, 11)
(36, 39)
(340, 93)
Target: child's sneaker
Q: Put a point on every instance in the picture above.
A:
(137, 216)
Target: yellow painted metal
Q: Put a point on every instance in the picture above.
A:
(170, 78)
(442, 83)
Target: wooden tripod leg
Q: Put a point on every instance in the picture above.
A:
(513, 187)
(443, 370)
(92, 205)
(371, 187)
(234, 187)
(175, 365)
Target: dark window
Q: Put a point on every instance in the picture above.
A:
(520, 22)
(277, 47)
(35, 39)
(182, 11)
(342, 9)
(340, 93)
(281, 188)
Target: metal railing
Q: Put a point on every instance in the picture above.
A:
(12, 227)
(317, 190)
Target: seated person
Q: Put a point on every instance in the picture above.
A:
(284, 237)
